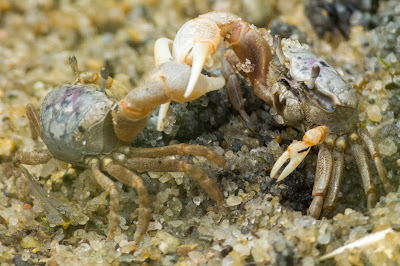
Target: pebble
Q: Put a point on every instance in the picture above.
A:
(187, 248)
(6, 146)
(234, 200)
(374, 113)
(168, 244)
(29, 242)
(387, 147)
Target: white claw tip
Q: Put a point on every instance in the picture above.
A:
(200, 52)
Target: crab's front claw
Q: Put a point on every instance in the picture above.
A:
(196, 42)
(298, 150)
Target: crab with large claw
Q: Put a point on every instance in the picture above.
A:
(306, 92)
(87, 123)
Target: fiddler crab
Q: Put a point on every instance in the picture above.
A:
(90, 122)
(306, 92)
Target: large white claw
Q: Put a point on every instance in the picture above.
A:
(200, 54)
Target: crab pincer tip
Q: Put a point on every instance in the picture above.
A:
(200, 52)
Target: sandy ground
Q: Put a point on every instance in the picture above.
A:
(265, 222)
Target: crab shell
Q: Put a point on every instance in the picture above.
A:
(337, 98)
(76, 121)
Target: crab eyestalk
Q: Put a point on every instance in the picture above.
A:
(73, 62)
(314, 74)
(104, 77)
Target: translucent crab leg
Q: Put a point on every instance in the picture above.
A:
(298, 150)
(56, 213)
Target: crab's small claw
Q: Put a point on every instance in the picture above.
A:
(298, 150)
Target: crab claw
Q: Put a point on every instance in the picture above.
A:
(298, 150)
(201, 53)
(195, 44)
(161, 115)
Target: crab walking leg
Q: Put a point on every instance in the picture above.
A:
(56, 213)
(34, 124)
(109, 186)
(376, 157)
(158, 165)
(166, 83)
(131, 179)
(233, 88)
(362, 164)
(32, 157)
(322, 175)
(336, 178)
(179, 149)
(298, 150)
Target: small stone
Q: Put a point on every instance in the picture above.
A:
(197, 200)
(29, 242)
(234, 200)
(6, 146)
(324, 239)
(168, 244)
(162, 197)
(387, 147)
(154, 226)
(176, 223)
(374, 113)
(243, 249)
(185, 249)
(128, 247)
